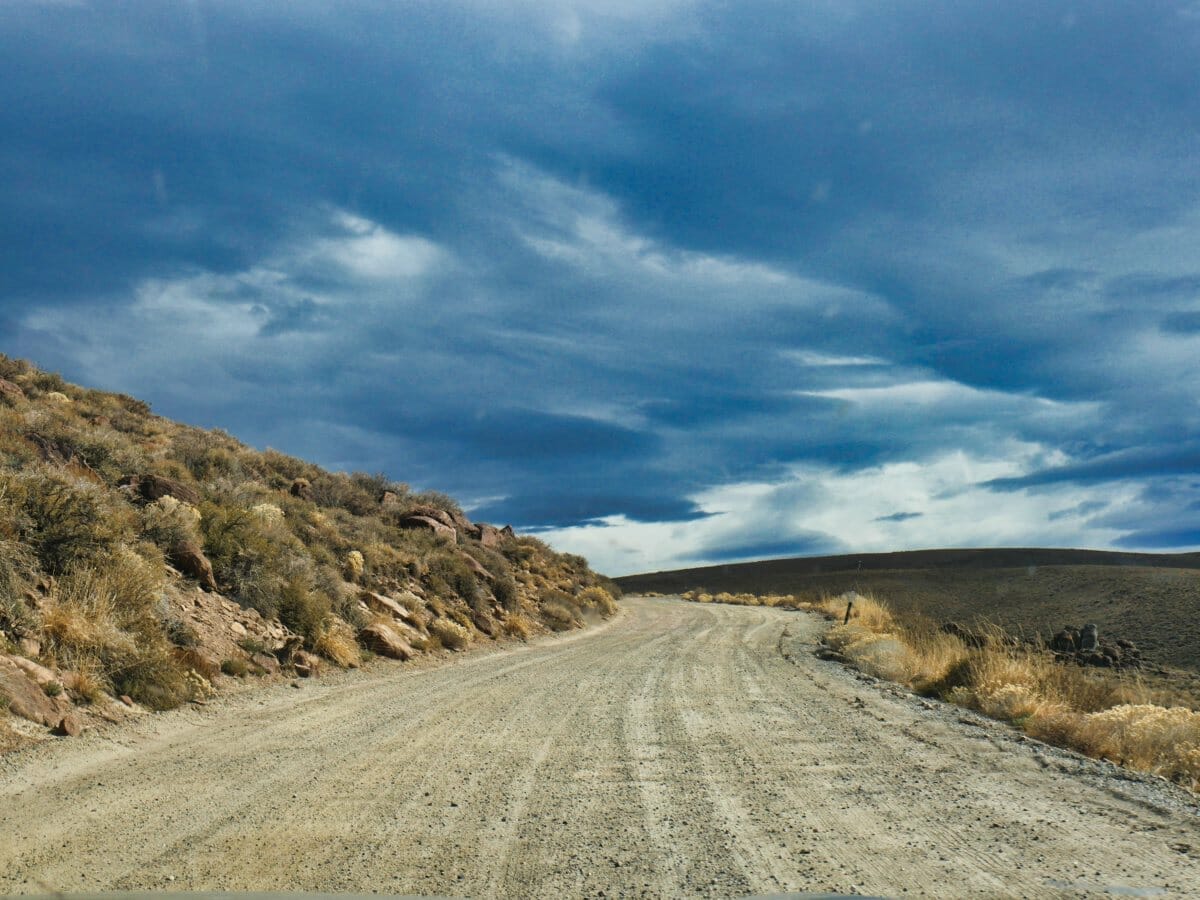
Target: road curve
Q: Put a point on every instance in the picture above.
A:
(681, 750)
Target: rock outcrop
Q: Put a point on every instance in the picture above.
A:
(1084, 646)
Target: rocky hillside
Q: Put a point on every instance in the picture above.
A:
(144, 563)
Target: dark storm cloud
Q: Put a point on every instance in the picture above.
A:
(1137, 462)
(582, 261)
(899, 517)
(810, 544)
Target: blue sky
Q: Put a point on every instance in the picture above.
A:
(668, 282)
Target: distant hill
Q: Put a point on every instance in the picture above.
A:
(146, 558)
(1151, 598)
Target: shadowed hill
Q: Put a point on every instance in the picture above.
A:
(1153, 599)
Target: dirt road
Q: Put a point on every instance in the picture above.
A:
(675, 752)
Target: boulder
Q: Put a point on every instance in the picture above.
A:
(386, 605)
(69, 726)
(488, 535)
(27, 699)
(433, 512)
(1089, 638)
(155, 487)
(1065, 641)
(301, 488)
(11, 393)
(190, 560)
(476, 567)
(307, 665)
(385, 641)
(440, 530)
(39, 673)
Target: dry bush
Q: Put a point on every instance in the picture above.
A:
(336, 642)
(63, 518)
(599, 599)
(561, 614)
(171, 523)
(104, 619)
(517, 625)
(450, 634)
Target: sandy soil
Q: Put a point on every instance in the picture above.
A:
(682, 750)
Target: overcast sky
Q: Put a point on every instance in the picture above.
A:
(667, 282)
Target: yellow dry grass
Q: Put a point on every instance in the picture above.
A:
(336, 642)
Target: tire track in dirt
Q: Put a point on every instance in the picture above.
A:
(673, 752)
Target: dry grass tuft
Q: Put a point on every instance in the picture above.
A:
(450, 634)
(336, 642)
(517, 625)
(599, 599)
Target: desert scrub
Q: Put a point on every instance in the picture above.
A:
(599, 599)
(171, 523)
(517, 625)
(63, 518)
(336, 642)
(103, 618)
(450, 634)
(559, 612)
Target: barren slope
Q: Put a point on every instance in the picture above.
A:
(675, 752)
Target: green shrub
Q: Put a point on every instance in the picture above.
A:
(238, 668)
(64, 518)
(448, 573)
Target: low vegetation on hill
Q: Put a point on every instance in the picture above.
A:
(1108, 713)
(148, 559)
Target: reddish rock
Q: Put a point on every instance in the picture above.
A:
(126, 699)
(36, 671)
(489, 535)
(417, 523)
(432, 512)
(11, 393)
(69, 726)
(386, 605)
(385, 641)
(26, 697)
(191, 561)
(476, 567)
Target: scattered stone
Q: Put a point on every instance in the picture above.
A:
(1085, 647)
(476, 567)
(126, 699)
(238, 628)
(266, 662)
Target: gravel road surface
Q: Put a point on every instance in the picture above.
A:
(681, 750)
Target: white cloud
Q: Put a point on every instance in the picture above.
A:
(951, 509)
